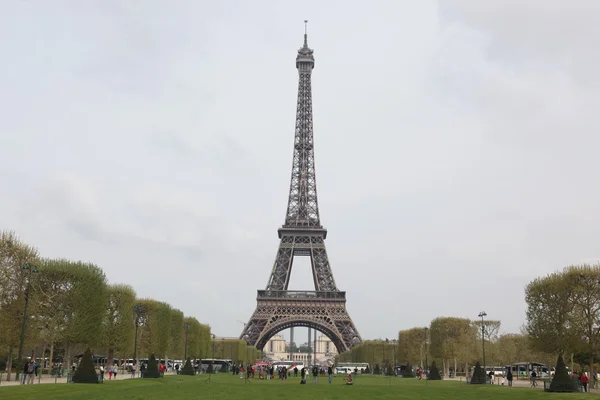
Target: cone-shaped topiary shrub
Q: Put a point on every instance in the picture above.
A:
(434, 373)
(562, 382)
(377, 370)
(187, 368)
(86, 372)
(478, 377)
(152, 370)
(389, 371)
(210, 368)
(408, 372)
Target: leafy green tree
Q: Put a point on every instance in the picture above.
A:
(305, 349)
(118, 322)
(586, 299)
(152, 370)
(72, 303)
(434, 373)
(155, 328)
(177, 333)
(449, 339)
(199, 339)
(410, 346)
(14, 255)
(551, 323)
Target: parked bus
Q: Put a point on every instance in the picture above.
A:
(218, 364)
(349, 367)
(290, 365)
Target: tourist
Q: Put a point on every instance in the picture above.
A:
(349, 379)
(533, 376)
(584, 381)
(315, 373)
(25, 369)
(31, 371)
(329, 373)
(509, 378)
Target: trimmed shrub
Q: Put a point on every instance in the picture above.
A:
(187, 368)
(408, 372)
(389, 370)
(210, 368)
(86, 372)
(562, 382)
(152, 370)
(434, 373)
(377, 370)
(479, 377)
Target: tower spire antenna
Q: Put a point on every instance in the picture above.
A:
(305, 33)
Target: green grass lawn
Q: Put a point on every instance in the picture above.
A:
(227, 387)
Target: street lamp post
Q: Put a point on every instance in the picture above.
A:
(213, 353)
(186, 326)
(426, 361)
(481, 315)
(138, 309)
(31, 270)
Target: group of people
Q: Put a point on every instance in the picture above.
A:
(269, 372)
(30, 371)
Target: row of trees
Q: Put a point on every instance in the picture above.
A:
(374, 352)
(563, 319)
(71, 306)
(236, 350)
(451, 342)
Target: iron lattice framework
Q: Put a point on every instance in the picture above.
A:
(302, 235)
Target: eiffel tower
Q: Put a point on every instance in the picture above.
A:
(302, 234)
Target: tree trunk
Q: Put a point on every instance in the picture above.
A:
(590, 376)
(67, 359)
(51, 354)
(455, 371)
(111, 356)
(43, 357)
(9, 363)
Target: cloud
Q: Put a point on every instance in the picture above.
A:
(455, 147)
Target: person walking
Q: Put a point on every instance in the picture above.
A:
(584, 381)
(509, 378)
(315, 372)
(533, 376)
(30, 371)
(25, 368)
(329, 373)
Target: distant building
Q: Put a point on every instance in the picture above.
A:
(275, 350)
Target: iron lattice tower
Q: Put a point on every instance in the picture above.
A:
(302, 234)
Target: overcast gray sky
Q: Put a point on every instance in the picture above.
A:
(456, 147)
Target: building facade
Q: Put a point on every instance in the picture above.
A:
(276, 350)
